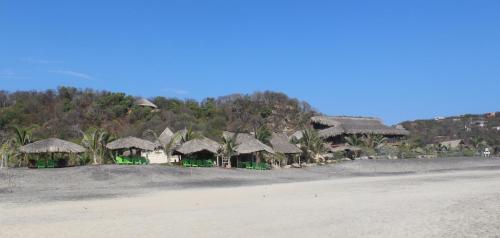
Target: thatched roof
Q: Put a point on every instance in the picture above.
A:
(297, 135)
(247, 144)
(165, 136)
(355, 125)
(131, 143)
(198, 145)
(52, 145)
(280, 144)
(145, 103)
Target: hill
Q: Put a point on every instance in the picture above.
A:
(67, 111)
(465, 127)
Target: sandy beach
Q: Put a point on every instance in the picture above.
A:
(456, 197)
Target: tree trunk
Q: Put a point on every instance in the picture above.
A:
(95, 157)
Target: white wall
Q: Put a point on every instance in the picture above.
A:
(159, 157)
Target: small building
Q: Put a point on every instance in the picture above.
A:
(158, 155)
(200, 148)
(145, 103)
(479, 123)
(281, 144)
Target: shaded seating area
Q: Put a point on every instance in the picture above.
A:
(48, 148)
(198, 152)
(248, 151)
(128, 150)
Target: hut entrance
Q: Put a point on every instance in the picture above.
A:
(237, 161)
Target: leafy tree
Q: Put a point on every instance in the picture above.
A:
(354, 140)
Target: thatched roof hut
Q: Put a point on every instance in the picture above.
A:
(339, 125)
(198, 145)
(247, 144)
(131, 143)
(280, 144)
(145, 103)
(52, 145)
(165, 136)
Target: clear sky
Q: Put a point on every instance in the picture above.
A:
(396, 60)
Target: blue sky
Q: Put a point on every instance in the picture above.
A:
(396, 60)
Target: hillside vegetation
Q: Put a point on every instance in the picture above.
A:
(67, 112)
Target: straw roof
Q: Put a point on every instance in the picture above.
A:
(297, 135)
(247, 144)
(280, 144)
(52, 145)
(165, 136)
(131, 143)
(145, 103)
(198, 145)
(355, 125)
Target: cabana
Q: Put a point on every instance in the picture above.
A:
(134, 146)
(247, 149)
(198, 152)
(280, 144)
(50, 147)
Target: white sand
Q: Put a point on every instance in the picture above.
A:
(447, 204)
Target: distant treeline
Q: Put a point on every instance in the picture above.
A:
(67, 112)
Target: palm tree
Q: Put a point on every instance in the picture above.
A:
(190, 135)
(477, 143)
(228, 147)
(354, 140)
(95, 141)
(22, 136)
(168, 147)
(373, 141)
(312, 145)
(263, 134)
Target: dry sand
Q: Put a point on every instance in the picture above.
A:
(460, 199)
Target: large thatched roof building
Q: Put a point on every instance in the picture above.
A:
(131, 143)
(332, 126)
(198, 145)
(248, 144)
(52, 145)
(281, 144)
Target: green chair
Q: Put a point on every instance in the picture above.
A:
(209, 163)
(41, 164)
(248, 165)
(120, 160)
(51, 163)
(186, 163)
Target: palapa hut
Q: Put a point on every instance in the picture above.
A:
(334, 128)
(247, 147)
(281, 144)
(50, 147)
(201, 148)
(452, 144)
(158, 155)
(131, 144)
(145, 103)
